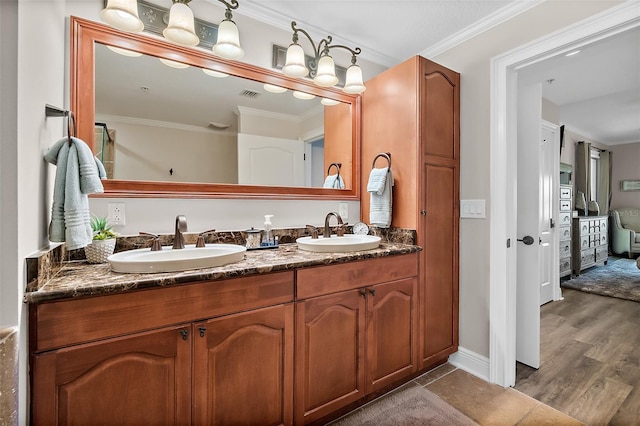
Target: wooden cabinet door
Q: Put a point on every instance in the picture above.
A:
(439, 294)
(243, 368)
(392, 324)
(330, 338)
(138, 379)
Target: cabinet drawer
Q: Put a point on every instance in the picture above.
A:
(585, 242)
(587, 257)
(602, 253)
(565, 265)
(69, 322)
(565, 233)
(565, 249)
(603, 225)
(584, 227)
(565, 193)
(320, 280)
(603, 239)
(564, 219)
(565, 205)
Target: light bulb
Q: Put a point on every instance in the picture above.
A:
(303, 95)
(354, 82)
(180, 29)
(329, 102)
(274, 89)
(173, 64)
(326, 73)
(295, 65)
(123, 15)
(213, 73)
(124, 52)
(228, 44)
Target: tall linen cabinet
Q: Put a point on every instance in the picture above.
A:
(412, 111)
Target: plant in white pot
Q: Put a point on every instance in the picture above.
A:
(104, 241)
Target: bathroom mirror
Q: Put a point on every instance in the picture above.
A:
(94, 98)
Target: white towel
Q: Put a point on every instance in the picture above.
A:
(334, 181)
(76, 176)
(381, 201)
(377, 180)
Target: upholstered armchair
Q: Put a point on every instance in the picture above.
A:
(626, 231)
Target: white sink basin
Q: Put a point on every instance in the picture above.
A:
(143, 261)
(346, 243)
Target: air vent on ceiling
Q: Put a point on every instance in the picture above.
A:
(249, 93)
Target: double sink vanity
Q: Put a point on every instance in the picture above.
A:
(280, 336)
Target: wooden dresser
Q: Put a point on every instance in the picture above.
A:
(590, 242)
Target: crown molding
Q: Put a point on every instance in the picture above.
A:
(498, 17)
(158, 123)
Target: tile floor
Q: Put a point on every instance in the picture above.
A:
(488, 404)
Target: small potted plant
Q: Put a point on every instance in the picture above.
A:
(104, 241)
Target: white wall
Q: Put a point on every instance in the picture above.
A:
(148, 152)
(472, 60)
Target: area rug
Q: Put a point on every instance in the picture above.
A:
(415, 406)
(618, 278)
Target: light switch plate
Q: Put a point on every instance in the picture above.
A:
(472, 209)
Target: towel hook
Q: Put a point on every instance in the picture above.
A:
(71, 119)
(337, 166)
(386, 155)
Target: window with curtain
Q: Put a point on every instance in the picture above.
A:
(594, 175)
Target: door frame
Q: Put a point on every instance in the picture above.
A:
(503, 165)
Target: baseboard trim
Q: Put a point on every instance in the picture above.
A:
(471, 362)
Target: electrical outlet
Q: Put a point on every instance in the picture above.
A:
(343, 211)
(116, 214)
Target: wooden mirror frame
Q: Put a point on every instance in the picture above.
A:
(84, 35)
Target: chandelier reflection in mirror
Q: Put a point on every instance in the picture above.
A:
(123, 15)
(323, 66)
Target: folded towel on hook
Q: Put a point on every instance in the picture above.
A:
(77, 175)
(102, 172)
(381, 201)
(334, 181)
(377, 180)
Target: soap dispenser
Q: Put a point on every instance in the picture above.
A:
(268, 237)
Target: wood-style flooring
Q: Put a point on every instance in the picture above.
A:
(590, 359)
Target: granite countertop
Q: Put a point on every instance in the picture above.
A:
(79, 278)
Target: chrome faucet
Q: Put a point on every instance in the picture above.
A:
(327, 229)
(181, 226)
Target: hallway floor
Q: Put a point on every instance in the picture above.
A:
(590, 359)
(485, 403)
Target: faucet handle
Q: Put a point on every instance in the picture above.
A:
(314, 231)
(155, 245)
(200, 241)
(342, 227)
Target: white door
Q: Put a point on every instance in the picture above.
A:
(549, 176)
(270, 161)
(528, 219)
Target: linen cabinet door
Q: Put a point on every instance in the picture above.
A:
(139, 379)
(242, 368)
(330, 338)
(392, 326)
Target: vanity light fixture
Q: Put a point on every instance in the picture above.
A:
(181, 29)
(228, 43)
(213, 73)
(303, 95)
(324, 73)
(123, 15)
(274, 89)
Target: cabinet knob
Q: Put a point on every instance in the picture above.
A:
(423, 212)
(184, 333)
(202, 330)
(372, 292)
(363, 293)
